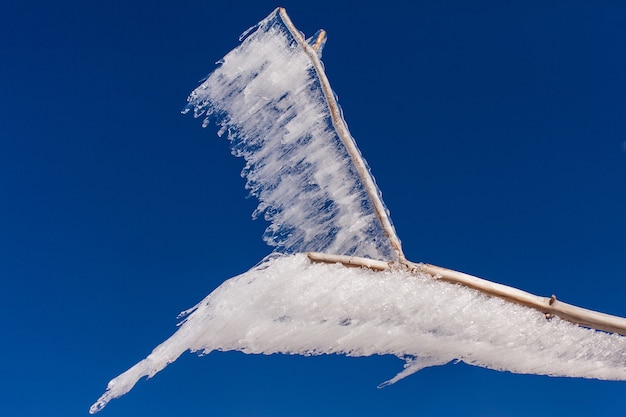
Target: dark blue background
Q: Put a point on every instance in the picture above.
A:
(496, 131)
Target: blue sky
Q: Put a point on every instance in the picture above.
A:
(496, 132)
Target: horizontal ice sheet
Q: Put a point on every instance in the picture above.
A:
(266, 95)
(289, 305)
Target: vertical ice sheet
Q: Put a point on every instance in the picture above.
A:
(290, 305)
(266, 95)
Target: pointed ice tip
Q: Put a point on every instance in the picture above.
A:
(96, 407)
(384, 384)
(102, 401)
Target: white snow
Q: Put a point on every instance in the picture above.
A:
(267, 96)
(289, 305)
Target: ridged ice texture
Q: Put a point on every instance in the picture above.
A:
(289, 305)
(267, 96)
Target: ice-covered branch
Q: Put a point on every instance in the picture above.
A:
(272, 98)
(550, 306)
(290, 305)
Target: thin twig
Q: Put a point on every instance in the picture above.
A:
(549, 306)
(346, 138)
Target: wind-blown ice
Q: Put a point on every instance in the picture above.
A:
(266, 94)
(290, 305)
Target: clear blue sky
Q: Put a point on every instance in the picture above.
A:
(497, 133)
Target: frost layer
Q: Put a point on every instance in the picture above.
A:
(289, 305)
(267, 96)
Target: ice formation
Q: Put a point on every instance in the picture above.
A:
(267, 95)
(290, 305)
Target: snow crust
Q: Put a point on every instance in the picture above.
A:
(289, 305)
(267, 96)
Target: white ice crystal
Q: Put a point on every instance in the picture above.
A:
(290, 305)
(266, 94)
